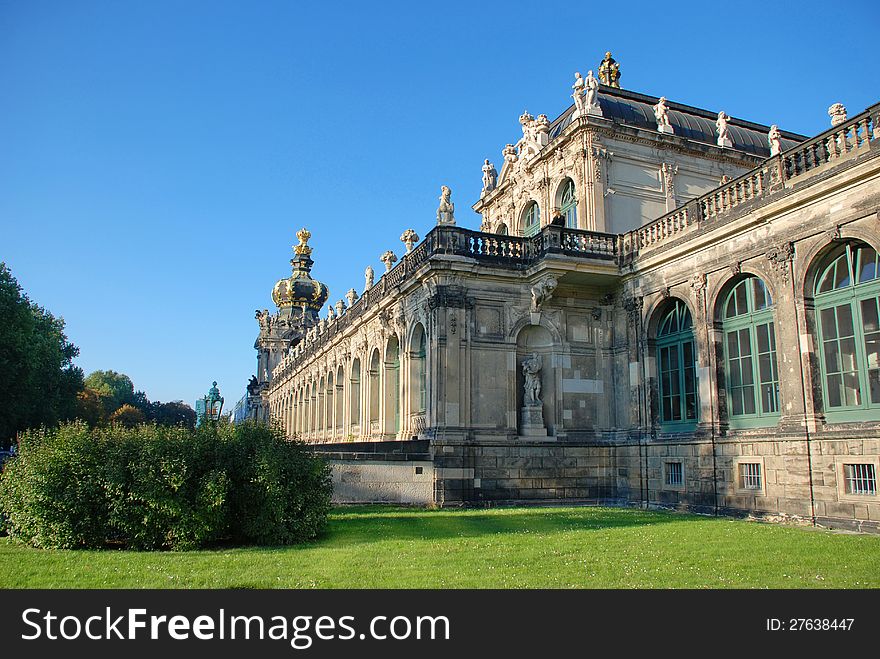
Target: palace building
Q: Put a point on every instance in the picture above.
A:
(663, 306)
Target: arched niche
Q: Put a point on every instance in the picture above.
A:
(535, 339)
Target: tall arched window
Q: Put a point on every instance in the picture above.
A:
(847, 298)
(568, 205)
(677, 368)
(750, 355)
(532, 220)
(354, 398)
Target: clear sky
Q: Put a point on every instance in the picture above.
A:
(157, 158)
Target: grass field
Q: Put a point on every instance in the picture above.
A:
(383, 547)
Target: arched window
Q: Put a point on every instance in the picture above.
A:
(532, 220)
(568, 205)
(847, 298)
(750, 354)
(354, 398)
(677, 368)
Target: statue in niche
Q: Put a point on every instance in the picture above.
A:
(609, 71)
(446, 210)
(369, 275)
(592, 93)
(578, 94)
(661, 113)
(490, 176)
(531, 368)
(774, 139)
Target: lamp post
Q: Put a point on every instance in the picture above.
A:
(210, 406)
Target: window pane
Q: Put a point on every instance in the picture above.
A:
(867, 264)
(732, 345)
(748, 400)
(841, 274)
(869, 315)
(763, 333)
(833, 382)
(848, 355)
(740, 293)
(832, 360)
(828, 324)
(844, 320)
(759, 293)
(736, 407)
(851, 389)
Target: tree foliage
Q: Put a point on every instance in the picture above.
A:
(38, 381)
(128, 416)
(115, 389)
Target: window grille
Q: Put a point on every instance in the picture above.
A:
(674, 473)
(750, 475)
(860, 479)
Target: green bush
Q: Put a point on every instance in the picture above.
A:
(154, 487)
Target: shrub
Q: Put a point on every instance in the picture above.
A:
(153, 487)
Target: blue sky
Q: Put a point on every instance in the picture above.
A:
(157, 158)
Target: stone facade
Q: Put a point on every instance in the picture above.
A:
(632, 408)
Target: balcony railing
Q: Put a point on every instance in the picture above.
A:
(774, 174)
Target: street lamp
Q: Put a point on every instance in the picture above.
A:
(210, 406)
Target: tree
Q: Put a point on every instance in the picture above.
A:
(176, 413)
(128, 416)
(38, 381)
(91, 407)
(116, 389)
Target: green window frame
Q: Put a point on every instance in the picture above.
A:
(847, 302)
(532, 221)
(751, 369)
(568, 205)
(677, 370)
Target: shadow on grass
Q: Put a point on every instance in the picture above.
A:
(370, 524)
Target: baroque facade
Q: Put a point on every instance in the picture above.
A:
(663, 306)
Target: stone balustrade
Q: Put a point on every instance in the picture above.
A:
(493, 249)
(774, 174)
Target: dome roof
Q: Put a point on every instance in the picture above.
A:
(300, 289)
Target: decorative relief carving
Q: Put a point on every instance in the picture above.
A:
(542, 292)
(698, 285)
(633, 307)
(780, 258)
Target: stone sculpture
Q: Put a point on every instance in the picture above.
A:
(446, 210)
(774, 139)
(591, 100)
(409, 238)
(490, 176)
(531, 368)
(340, 308)
(542, 292)
(723, 130)
(837, 112)
(388, 258)
(578, 94)
(368, 278)
(661, 113)
(352, 296)
(509, 153)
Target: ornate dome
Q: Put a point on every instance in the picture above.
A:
(300, 289)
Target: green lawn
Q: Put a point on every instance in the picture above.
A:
(384, 547)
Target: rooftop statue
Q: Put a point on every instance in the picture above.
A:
(388, 258)
(490, 176)
(591, 100)
(578, 94)
(723, 130)
(369, 275)
(661, 113)
(837, 113)
(446, 210)
(774, 139)
(609, 71)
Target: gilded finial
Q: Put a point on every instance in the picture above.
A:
(303, 247)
